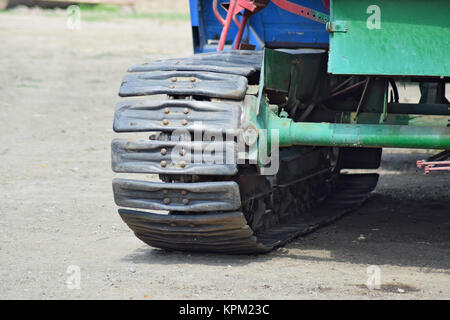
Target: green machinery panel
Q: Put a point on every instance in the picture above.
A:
(390, 37)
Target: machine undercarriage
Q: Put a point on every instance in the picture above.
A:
(250, 145)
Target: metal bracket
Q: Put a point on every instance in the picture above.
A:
(337, 26)
(302, 11)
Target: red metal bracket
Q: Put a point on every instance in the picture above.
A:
(433, 165)
(217, 14)
(437, 162)
(304, 11)
(233, 8)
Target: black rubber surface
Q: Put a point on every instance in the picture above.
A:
(229, 232)
(229, 211)
(184, 83)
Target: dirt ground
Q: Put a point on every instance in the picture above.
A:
(58, 88)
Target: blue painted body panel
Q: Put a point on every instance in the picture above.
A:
(272, 27)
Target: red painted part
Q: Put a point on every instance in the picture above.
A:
(235, 6)
(226, 27)
(429, 168)
(247, 4)
(326, 4)
(236, 22)
(217, 14)
(238, 39)
(422, 163)
(433, 165)
(219, 17)
(297, 9)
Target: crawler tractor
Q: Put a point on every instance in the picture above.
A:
(253, 137)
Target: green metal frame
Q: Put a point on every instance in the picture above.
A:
(351, 134)
(370, 124)
(411, 39)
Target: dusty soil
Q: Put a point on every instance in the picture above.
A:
(58, 88)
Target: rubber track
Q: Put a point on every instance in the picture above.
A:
(229, 232)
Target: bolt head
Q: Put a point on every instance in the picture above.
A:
(183, 164)
(163, 151)
(184, 192)
(185, 110)
(182, 152)
(166, 200)
(185, 201)
(251, 135)
(184, 122)
(166, 110)
(164, 163)
(165, 122)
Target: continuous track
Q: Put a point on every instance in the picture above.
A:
(216, 205)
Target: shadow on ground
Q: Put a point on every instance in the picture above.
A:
(387, 230)
(405, 223)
